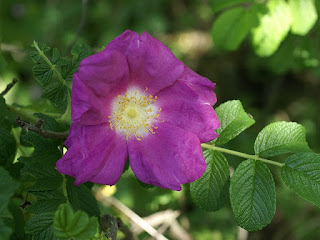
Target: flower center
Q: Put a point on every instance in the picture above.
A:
(134, 114)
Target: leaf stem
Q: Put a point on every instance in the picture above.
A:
(52, 66)
(240, 154)
(64, 187)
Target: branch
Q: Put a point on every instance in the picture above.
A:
(111, 201)
(37, 128)
(9, 86)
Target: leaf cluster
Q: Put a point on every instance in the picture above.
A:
(267, 22)
(252, 189)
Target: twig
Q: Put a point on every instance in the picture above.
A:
(131, 215)
(9, 86)
(82, 23)
(42, 132)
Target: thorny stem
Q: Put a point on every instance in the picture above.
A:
(45, 133)
(240, 154)
(52, 66)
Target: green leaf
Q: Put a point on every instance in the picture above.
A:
(40, 226)
(43, 73)
(34, 54)
(218, 5)
(304, 16)
(279, 138)
(232, 26)
(47, 201)
(233, 119)
(8, 147)
(46, 150)
(210, 192)
(57, 93)
(6, 117)
(301, 173)
(79, 51)
(81, 198)
(69, 225)
(7, 188)
(253, 195)
(274, 26)
(46, 176)
(55, 55)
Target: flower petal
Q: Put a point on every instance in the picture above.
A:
(99, 79)
(200, 84)
(183, 107)
(151, 63)
(167, 159)
(123, 41)
(96, 154)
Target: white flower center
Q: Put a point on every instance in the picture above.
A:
(134, 114)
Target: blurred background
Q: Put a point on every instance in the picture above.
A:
(282, 87)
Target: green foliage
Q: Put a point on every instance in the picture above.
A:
(7, 188)
(232, 26)
(40, 226)
(47, 201)
(7, 147)
(218, 5)
(210, 192)
(304, 16)
(6, 117)
(233, 119)
(301, 173)
(81, 198)
(279, 138)
(57, 90)
(253, 195)
(273, 28)
(70, 225)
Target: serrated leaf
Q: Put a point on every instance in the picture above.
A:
(218, 5)
(279, 138)
(43, 73)
(253, 195)
(57, 93)
(79, 51)
(304, 16)
(34, 54)
(301, 173)
(232, 26)
(273, 27)
(55, 55)
(41, 226)
(81, 198)
(46, 150)
(233, 119)
(73, 225)
(8, 147)
(7, 188)
(46, 176)
(47, 201)
(210, 192)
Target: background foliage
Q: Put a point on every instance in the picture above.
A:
(265, 53)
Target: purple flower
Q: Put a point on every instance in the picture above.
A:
(136, 100)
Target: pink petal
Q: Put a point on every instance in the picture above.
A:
(99, 79)
(200, 84)
(167, 159)
(151, 63)
(96, 154)
(185, 108)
